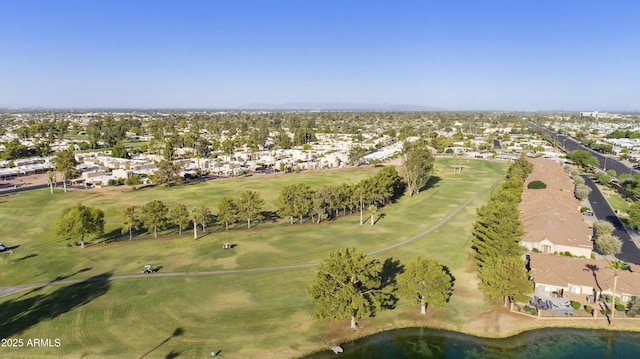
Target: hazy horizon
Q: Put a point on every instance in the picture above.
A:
(453, 56)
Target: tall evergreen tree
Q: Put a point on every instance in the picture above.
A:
(250, 205)
(505, 277)
(227, 211)
(417, 166)
(497, 231)
(130, 220)
(154, 215)
(348, 285)
(180, 216)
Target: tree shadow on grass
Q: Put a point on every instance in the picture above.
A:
(269, 216)
(431, 183)
(21, 314)
(27, 257)
(176, 333)
(390, 270)
(452, 280)
(380, 216)
(57, 279)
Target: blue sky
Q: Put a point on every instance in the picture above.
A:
(454, 55)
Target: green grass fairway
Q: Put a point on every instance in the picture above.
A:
(263, 313)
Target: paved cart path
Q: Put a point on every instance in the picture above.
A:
(18, 288)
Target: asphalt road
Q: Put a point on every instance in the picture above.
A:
(569, 144)
(602, 210)
(25, 188)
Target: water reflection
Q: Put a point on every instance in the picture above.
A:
(544, 343)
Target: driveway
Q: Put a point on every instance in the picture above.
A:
(601, 208)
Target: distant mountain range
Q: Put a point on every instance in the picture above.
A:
(337, 106)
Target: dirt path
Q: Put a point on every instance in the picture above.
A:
(14, 289)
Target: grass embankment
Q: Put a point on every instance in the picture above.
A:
(254, 314)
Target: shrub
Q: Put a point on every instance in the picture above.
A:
(634, 308)
(584, 209)
(588, 309)
(133, 180)
(575, 305)
(620, 307)
(536, 185)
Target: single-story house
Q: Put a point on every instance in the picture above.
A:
(579, 278)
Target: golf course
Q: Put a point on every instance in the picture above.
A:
(246, 302)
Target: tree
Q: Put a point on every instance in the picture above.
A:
(119, 151)
(388, 184)
(250, 205)
(204, 216)
(180, 216)
(194, 217)
(169, 151)
(603, 178)
(372, 212)
(286, 202)
(608, 244)
(167, 173)
(634, 215)
(425, 282)
(51, 179)
(417, 165)
(65, 162)
(322, 203)
(520, 167)
(634, 307)
(227, 211)
(348, 285)
(497, 231)
(582, 191)
(583, 158)
(130, 220)
(602, 227)
(302, 200)
(356, 153)
(154, 215)
(80, 221)
(505, 277)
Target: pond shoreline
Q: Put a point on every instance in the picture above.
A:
(522, 325)
(382, 338)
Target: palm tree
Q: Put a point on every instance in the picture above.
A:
(616, 266)
(194, 213)
(51, 178)
(372, 210)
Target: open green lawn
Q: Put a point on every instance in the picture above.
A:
(252, 314)
(617, 202)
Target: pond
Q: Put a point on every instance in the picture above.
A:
(553, 343)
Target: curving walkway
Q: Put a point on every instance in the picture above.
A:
(14, 289)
